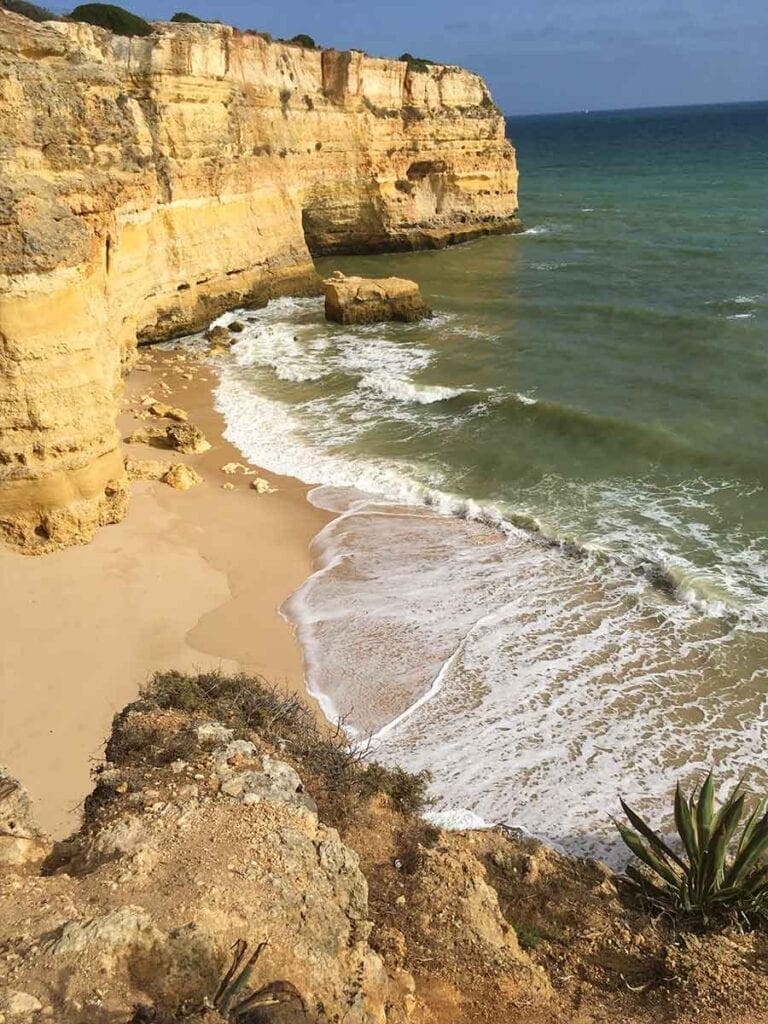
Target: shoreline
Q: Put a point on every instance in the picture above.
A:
(192, 580)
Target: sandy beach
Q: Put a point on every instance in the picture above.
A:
(189, 579)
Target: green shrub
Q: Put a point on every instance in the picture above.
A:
(714, 876)
(531, 936)
(27, 10)
(342, 770)
(302, 39)
(116, 19)
(187, 19)
(285, 98)
(417, 64)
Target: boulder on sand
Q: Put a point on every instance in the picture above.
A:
(186, 438)
(181, 477)
(367, 300)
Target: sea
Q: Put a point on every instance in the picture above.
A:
(547, 579)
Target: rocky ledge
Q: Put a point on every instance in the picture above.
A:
(148, 184)
(223, 818)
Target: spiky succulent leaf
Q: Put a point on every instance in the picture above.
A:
(752, 823)
(704, 811)
(684, 824)
(654, 838)
(756, 848)
(641, 851)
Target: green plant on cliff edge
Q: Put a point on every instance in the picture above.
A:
(716, 876)
(417, 64)
(302, 39)
(27, 10)
(114, 18)
(342, 770)
(183, 18)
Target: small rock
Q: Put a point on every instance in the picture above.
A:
(236, 327)
(236, 467)
(182, 477)
(186, 438)
(18, 1004)
(23, 844)
(169, 412)
(209, 732)
(219, 336)
(227, 487)
(261, 486)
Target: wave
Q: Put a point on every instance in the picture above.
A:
(489, 643)
(496, 623)
(281, 448)
(400, 389)
(310, 441)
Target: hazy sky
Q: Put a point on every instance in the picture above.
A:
(541, 55)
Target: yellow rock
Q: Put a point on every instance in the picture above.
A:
(182, 477)
(186, 438)
(261, 486)
(168, 412)
(367, 300)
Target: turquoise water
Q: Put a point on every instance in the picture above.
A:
(555, 529)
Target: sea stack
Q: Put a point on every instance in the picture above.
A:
(368, 300)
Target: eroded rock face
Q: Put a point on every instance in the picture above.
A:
(148, 184)
(367, 300)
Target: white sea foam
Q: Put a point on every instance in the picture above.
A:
(402, 390)
(528, 683)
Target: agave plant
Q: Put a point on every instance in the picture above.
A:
(229, 1000)
(716, 874)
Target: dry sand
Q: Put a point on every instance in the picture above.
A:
(189, 579)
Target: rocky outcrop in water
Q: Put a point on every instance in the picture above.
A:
(150, 183)
(365, 300)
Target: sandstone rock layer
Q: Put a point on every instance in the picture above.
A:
(365, 300)
(147, 184)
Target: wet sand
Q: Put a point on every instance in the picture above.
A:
(189, 579)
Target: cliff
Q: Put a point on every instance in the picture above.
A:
(222, 815)
(149, 183)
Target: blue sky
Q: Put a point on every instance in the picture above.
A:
(541, 55)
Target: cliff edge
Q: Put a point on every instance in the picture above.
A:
(224, 816)
(150, 183)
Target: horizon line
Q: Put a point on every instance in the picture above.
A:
(625, 110)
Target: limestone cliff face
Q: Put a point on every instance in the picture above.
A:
(148, 184)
